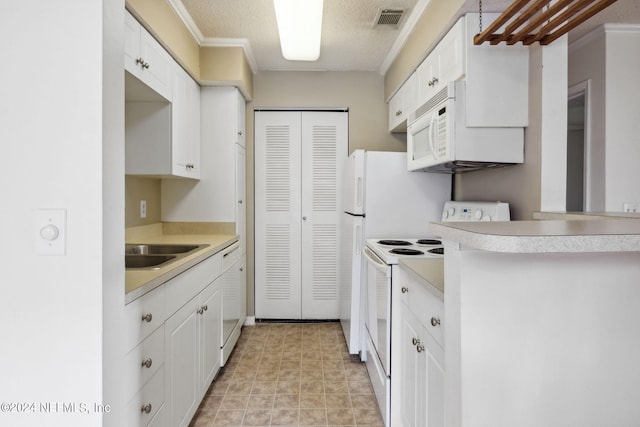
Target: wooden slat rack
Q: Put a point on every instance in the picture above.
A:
(528, 21)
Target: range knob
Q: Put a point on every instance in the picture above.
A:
(478, 214)
(451, 212)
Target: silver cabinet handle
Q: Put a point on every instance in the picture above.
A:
(190, 166)
(415, 341)
(147, 362)
(205, 307)
(146, 408)
(147, 317)
(200, 310)
(419, 348)
(304, 218)
(240, 133)
(240, 201)
(435, 321)
(404, 289)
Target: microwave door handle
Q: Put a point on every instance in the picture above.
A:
(432, 135)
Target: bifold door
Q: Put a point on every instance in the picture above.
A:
(298, 176)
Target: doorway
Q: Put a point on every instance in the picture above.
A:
(577, 199)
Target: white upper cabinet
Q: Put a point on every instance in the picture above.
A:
(146, 59)
(401, 104)
(186, 126)
(162, 124)
(497, 76)
(445, 64)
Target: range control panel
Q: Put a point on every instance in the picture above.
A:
(475, 211)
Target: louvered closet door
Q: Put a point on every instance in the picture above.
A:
(277, 215)
(324, 142)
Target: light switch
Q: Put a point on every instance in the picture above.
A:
(50, 231)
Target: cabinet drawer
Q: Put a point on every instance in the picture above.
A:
(143, 316)
(427, 307)
(187, 285)
(144, 405)
(143, 361)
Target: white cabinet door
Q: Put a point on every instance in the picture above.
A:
(298, 175)
(241, 189)
(185, 129)
(402, 104)
(146, 59)
(210, 326)
(241, 119)
(278, 234)
(181, 364)
(410, 389)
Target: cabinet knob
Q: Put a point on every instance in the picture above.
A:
(304, 218)
(435, 321)
(419, 348)
(146, 408)
(240, 133)
(240, 201)
(398, 113)
(404, 289)
(147, 317)
(140, 62)
(205, 307)
(241, 268)
(200, 310)
(415, 341)
(190, 166)
(147, 362)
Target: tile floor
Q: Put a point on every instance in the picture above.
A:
(290, 374)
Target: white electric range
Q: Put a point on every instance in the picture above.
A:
(381, 254)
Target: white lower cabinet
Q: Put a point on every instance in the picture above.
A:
(171, 363)
(417, 396)
(192, 353)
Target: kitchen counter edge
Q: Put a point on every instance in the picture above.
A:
(553, 236)
(428, 271)
(141, 282)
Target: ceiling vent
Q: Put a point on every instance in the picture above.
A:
(389, 18)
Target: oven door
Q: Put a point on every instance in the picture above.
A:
(377, 320)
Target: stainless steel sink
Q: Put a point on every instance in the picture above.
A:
(147, 261)
(159, 249)
(155, 256)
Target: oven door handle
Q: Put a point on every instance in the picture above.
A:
(375, 260)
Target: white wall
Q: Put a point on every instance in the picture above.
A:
(608, 58)
(51, 307)
(538, 183)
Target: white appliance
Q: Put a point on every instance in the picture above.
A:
(233, 299)
(439, 140)
(381, 257)
(380, 198)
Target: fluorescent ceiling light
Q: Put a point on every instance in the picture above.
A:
(299, 25)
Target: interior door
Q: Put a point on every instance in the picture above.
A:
(298, 170)
(277, 215)
(324, 136)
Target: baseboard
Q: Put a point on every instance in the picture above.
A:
(250, 321)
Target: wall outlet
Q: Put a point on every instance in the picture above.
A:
(631, 207)
(143, 208)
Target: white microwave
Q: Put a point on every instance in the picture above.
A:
(438, 140)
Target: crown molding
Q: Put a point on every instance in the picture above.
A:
(401, 40)
(600, 31)
(187, 20)
(243, 43)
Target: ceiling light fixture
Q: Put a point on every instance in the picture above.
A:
(299, 26)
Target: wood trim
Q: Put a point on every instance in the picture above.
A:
(527, 22)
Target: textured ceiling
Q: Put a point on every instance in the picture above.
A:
(349, 39)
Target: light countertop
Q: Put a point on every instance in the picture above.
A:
(429, 270)
(585, 215)
(139, 282)
(619, 235)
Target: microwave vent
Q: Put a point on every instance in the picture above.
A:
(432, 102)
